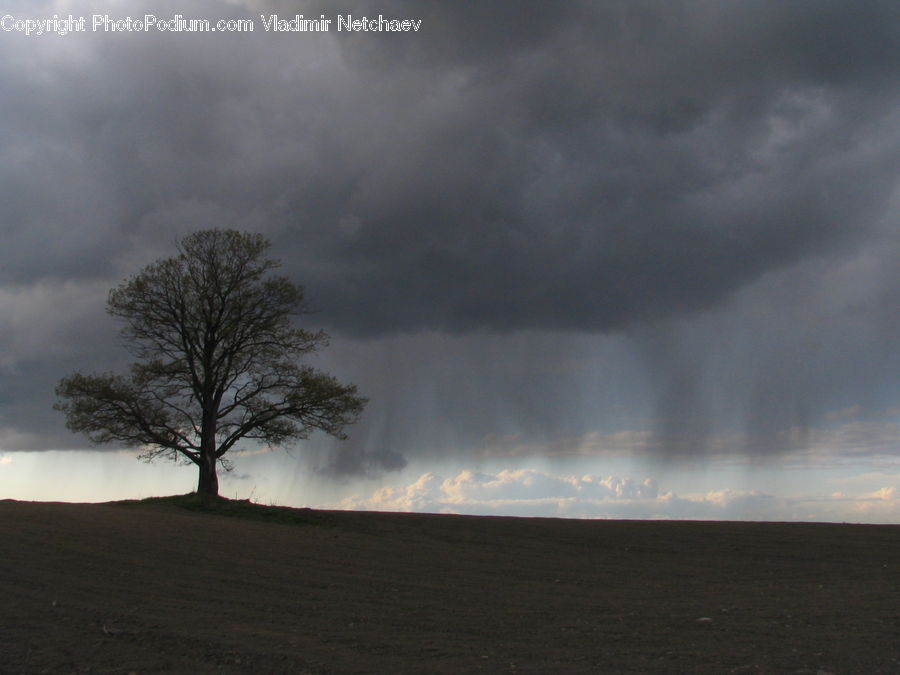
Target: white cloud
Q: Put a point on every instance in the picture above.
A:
(512, 491)
(527, 492)
(886, 494)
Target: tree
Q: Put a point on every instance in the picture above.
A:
(218, 360)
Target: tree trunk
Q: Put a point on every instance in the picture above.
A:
(209, 481)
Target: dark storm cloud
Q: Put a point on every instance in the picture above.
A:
(584, 166)
(628, 164)
(517, 167)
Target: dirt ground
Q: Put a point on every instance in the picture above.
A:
(154, 588)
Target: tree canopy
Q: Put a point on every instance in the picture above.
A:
(219, 360)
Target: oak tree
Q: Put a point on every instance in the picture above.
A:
(219, 360)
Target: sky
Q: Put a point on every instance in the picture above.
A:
(586, 259)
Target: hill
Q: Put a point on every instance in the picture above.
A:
(173, 585)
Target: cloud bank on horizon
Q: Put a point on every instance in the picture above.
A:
(672, 220)
(526, 492)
